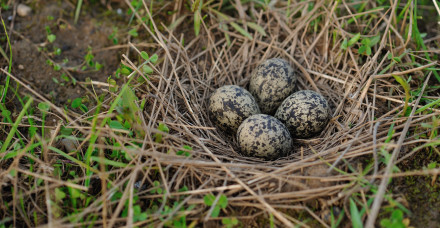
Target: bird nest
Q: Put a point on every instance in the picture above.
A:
(321, 173)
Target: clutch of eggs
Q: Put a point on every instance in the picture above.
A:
(296, 115)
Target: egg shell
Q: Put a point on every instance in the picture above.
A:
(230, 105)
(264, 136)
(305, 113)
(271, 82)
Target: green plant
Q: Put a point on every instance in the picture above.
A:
(44, 108)
(78, 103)
(163, 128)
(407, 89)
(196, 8)
(56, 67)
(210, 200)
(364, 46)
(57, 51)
(156, 188)
(418, 37)
(335, 222)
(5, 4)
(15, 126)
(113, 36)
(145, 68)
(133, 32)
(348, 43)
(4, 89)
(89, 61)
(230, 222)
(199, 7)
(50, 36)
(396, 220)
(367, 44)
(186, 151)
(356, 217)
(77, 10)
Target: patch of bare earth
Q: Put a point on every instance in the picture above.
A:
(32, 51)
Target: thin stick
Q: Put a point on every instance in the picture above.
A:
(404, 72)
(402, 102)
(384, 183)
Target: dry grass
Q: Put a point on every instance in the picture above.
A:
(320, 173)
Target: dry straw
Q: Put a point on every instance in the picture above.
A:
(316, 175)
(190, 73)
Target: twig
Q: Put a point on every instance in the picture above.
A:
(384, 183)
(404, 72)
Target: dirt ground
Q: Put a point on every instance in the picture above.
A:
(32, 54)
(420, 194)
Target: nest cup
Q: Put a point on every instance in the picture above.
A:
(192, 73)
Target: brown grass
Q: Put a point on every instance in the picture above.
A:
(177, 95)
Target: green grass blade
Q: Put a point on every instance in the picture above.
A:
(356, 220)
(15, 126)
(257, 28)
(419, 40)
(241, 30)
(354, 39)
(74, 160)
(95, 133)
(427, 106)
(93, 138)
(220, 15)
(405, 86)
(197, 22)
(26, 149)
(177, 22)
(77, 11)
(195, 6)
(109, 162)
(10, 63)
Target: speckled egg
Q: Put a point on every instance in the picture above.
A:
(264, 136)
(230, 105)
(271, 82)
(305, 113)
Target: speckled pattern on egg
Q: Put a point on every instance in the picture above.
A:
(264, 136)
(305, 113)
(229, 105)
(271, 82)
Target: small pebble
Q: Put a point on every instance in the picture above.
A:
(69, 144)
(21, 67)
(23, 10)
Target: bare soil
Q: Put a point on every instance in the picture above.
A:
(31, 51)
